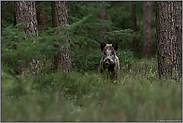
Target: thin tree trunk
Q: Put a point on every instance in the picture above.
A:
(60, 17)
(41, 14)
(147, 37)
(25, 11)
(134, 28)
(169, 38)
(103, 16)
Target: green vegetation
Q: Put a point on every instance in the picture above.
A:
(138, 96)
(83, 94)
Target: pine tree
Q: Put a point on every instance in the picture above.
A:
(169, 38)
(60, 17)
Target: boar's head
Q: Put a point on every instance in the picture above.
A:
(109, 54)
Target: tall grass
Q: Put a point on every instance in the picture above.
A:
(138, 95)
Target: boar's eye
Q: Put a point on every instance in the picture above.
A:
(105, 53)
(112, 53)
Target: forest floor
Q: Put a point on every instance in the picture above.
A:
(138, 95)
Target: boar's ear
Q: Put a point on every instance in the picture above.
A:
(115, 46)
(102, 45)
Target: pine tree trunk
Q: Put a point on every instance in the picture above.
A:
(60, 17)
(178, 44)
(25, 12)
(169, 38)
(41, 14)
(103, 16)
(147, 37)
(134, 28)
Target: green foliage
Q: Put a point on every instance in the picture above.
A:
(122, 37)
(83, 94)
(138, 96)
(84, 25)
(122, 9)
(84, 59)
(84, 22)
(16, 47)
(7, 13)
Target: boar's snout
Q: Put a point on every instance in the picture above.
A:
(107, 62)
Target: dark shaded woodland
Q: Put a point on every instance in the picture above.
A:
(50, 55)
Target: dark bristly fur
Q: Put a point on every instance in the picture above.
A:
(109, 62)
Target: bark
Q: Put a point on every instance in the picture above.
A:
(25, 12)
(41, 14)
(147, 37)
(134, 28)
(169, 38)
(60, 17)
(103, 16)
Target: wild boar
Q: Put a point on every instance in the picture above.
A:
(109, 61)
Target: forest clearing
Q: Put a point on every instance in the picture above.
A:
(51, 54)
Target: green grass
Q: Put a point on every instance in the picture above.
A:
(138, 95)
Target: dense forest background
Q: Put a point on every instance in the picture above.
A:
(84, 32)
(35, 89)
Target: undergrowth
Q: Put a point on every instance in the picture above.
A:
(138, 95)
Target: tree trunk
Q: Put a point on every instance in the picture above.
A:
(147, 37)
(25, 11)
(41, 14)
(103, 16)
(134, 28)
(169, 38)
(60, 17)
